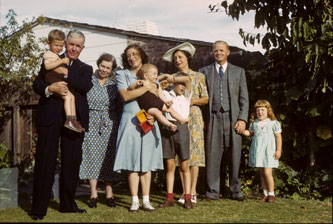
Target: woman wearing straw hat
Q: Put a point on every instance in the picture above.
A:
(181, 56)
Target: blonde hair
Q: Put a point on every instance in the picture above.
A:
(144, 69)
(56, 35)
(267, 105)
(221, 42)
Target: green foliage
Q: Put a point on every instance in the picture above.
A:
(290, 183)
(297, 79)
(6, 157)
(19, 60)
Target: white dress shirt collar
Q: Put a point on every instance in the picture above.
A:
(217, 66)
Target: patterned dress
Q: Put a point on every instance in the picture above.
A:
(99, 144)
(196, 124)
(263, 145)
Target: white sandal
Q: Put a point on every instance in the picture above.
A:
(193, 198)
(181, 200)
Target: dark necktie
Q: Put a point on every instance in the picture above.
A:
(221, 73)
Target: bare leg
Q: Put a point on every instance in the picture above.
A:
(269, 180)
(72, 103)
(108, 190)
(159, 116)
(133, 181)
(170, 175)
(145, 179)
(67, 104)
(175, 114)
(262, 179)
(186, 175)
(181, 175)
(194, 179)
(93, 188)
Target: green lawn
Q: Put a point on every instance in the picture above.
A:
(221, 211)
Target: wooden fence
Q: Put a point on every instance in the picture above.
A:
(18, 131)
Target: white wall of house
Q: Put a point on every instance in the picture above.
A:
(97, 42)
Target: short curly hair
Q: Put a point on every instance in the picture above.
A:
(109, 58)
(143, 55)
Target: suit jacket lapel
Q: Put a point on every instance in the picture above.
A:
(210, 83)
(230, 77)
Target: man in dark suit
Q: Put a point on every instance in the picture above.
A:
(50, 125)
(226, 118)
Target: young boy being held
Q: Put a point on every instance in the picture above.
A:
(177, 142)
(153, 101)
(57, 71)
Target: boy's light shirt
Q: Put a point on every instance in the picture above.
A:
(50, 56)
(181, 103)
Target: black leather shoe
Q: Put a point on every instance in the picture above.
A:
(110, 202)
(93, 203)
(37, 217)
(207, 199)
(242, 198)
(79, 210)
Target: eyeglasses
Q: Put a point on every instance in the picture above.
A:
(134, 54)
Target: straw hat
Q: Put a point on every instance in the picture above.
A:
(167, 56)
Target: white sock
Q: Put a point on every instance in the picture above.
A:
(271, 193)
(265, 192)
(145, 198)
(135, 199)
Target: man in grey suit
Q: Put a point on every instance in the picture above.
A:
(226, 118)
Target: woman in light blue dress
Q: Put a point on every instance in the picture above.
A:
(137, 152)
(266, 145)
(99, 144)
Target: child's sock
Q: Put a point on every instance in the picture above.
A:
(145, 198)
(271, 193)
(265, 192)
(187, 196)
(170, 196)
(135, 199)
(71, 117)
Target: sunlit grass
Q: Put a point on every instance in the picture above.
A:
(220, 211)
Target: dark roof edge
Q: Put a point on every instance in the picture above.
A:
(128, 33)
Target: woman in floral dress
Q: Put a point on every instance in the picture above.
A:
(99, 144)
(181, 56)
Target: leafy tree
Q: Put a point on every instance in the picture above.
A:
(297, 79)
(19, 60)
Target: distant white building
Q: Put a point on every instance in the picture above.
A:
(146, 27)
(98, 39)
(101, 39)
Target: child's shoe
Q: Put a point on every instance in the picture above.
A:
(271, 198)
(188, 204)
(78, 125)
(263, 199)
(70, 125)
(166, 203)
